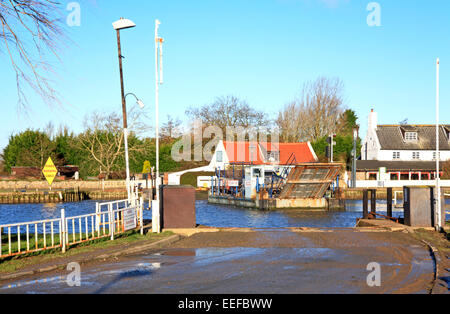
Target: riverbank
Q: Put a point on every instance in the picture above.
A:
(60, 196)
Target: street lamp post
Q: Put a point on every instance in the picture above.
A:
(156, 227)
(438, 184)
(119, 25)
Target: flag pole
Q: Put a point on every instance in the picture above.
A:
(438, 185)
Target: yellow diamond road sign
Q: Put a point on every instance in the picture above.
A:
(50, 171)
(147, 167)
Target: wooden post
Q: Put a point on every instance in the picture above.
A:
(389, 202)
(365, 204)
(373, 206)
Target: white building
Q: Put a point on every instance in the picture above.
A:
(399, 155)
(404, 142)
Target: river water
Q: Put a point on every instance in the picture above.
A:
(209, 215)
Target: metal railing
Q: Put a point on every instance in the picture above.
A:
(115, 205)
(29, 237)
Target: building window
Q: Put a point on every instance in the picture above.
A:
(396, 155)
(434, 155)
(411, 136)
(273, 156)
(416, 155)
(219, 157)
(404, 176)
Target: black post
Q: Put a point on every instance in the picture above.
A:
(365, 204)
(389, 202)
(373, 206)
(122, 89)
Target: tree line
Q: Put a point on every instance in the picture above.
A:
(99, 148)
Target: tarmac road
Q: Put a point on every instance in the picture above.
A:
(261, 261)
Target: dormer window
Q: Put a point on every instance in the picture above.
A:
(411, 136)
(273, 156)
(447, 132)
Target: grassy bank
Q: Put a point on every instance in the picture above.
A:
(9, 265)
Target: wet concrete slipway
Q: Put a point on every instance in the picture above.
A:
(328, 259)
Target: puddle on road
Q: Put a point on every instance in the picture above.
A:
(179, 252)
(34, 283)
(315, 252)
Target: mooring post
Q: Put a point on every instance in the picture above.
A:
(389, 202)
(373, 205)
(366, 204)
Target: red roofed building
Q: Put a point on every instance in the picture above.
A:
(262, 153)
(253, 153)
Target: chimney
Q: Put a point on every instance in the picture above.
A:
(373, 120)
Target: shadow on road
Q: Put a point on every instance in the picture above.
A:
(135, 273)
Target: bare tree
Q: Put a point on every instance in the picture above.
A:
(28, 30)
(171, 129)
(289, 122)
(103, 140)
(228, 111)
(315, 114)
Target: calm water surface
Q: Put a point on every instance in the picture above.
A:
(209, 215)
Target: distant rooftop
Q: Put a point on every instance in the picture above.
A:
(392, 137)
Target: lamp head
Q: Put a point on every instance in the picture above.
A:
(141, 104)
(123, 24)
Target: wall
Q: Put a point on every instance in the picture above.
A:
(43, 185)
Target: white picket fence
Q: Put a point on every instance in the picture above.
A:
(63, 232)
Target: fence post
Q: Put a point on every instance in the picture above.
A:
(111, 221)
(389, 202)
(141, 215)
(63, 231)
(373, 206)
(97, 220)
(365, 204)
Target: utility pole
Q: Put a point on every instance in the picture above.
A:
(438, 183)
(156, 227)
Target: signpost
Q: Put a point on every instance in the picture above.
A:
(146, 169)
(129, 219)
(50, 171)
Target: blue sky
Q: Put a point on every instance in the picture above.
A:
(259, 50)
